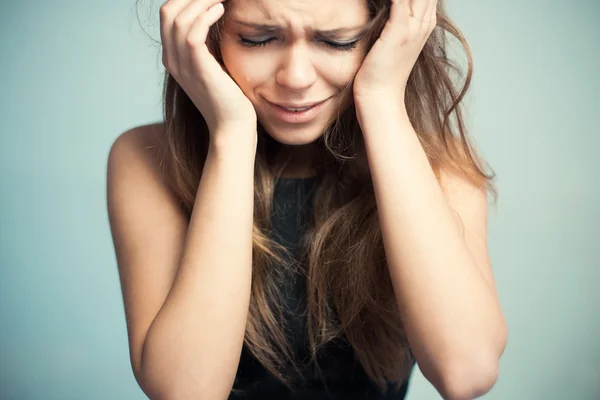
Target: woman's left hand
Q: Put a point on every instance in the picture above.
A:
(384, 72)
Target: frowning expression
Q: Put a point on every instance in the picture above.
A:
(293, 58)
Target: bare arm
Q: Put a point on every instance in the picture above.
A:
(439, 265)
(186, 287)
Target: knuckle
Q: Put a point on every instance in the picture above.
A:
(191, 42)
(164, 12)
(201, 19)
(196, 37)
(178, 24)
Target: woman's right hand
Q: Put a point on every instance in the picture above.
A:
(184, 29)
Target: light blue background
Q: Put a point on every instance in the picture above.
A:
(75, 74)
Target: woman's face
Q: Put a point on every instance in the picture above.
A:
(290, 54)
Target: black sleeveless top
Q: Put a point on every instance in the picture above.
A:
(341, 375)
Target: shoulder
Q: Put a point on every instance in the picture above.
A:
(138, 153)
(141, 142)
(136, 168)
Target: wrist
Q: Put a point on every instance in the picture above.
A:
(380, 100)
(234, 139)
(381, 111)
(236, 150)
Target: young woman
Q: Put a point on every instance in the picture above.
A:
(307, 222)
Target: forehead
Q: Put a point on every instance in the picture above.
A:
(299, 14)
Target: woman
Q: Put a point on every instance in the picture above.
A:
(306, 223)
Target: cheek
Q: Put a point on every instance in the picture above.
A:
(341, 72)
(247, 70)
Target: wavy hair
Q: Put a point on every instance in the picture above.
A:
(349, 290)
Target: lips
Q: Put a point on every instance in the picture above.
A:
(295, 113)
(297, 106)
(296, 109)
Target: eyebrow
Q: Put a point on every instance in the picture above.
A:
(329, 32)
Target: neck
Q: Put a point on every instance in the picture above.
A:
(298, 160)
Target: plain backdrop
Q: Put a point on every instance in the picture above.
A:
(75, 74)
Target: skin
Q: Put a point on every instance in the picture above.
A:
(430, 251)
(297, 64)
(186, 280)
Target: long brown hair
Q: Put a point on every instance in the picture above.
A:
(349, 291)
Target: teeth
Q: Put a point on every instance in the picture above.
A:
(297, 109)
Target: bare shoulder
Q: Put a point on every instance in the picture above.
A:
(136, 165)
(141, 144)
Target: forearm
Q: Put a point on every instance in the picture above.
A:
(193, 347)
(451, 316)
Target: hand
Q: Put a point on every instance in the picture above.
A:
(184, 29)
(385, 70)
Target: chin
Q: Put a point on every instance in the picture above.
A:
(294, 136)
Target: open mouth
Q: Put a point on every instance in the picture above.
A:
(300, 113)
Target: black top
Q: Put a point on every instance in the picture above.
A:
(341, 375)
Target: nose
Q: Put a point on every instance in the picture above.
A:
(297, 71)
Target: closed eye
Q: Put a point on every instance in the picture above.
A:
(331, 44)
(254, 43)
(341, 46)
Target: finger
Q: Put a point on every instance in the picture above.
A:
(187, 12)
(187, 17)
(168, 11)
(196, 39)
(419, 8)
(431, 13)
(400, 13)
